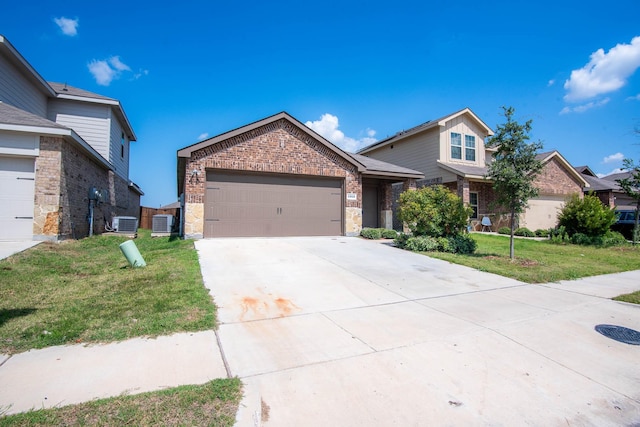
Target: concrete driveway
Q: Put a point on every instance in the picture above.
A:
(343, 331)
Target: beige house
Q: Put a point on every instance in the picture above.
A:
(451, 151)
(57, 143)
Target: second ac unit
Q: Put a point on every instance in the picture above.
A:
(162, 223)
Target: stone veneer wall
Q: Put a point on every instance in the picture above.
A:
(278, 147)
(64, 175)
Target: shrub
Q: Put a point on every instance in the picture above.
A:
(371, 233)
(504, 230)
(542, 232)
(389, 234)
(433, 211)
(581, 239)
(524, 232)
(462, 244)
(559, 234)
(610, 238)
(401, 240)
(587, 216)
(422, 244)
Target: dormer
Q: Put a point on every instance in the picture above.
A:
(462, 138)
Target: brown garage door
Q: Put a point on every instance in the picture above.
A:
(247, 205)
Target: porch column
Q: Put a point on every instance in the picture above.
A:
(408, 184)
(463, 189)
(386, 206)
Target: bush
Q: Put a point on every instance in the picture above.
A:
(504, 230)
(542, 233)
(401, 240)
(610, 238)
(433, 211)
(558, 234)
(587, 216)
(462, 244)
(524, 232)
(422, 244)
(389, 234)
(371, 233)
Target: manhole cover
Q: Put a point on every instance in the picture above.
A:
(620, 333)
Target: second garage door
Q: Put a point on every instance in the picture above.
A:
(17, 179)
(247, 205)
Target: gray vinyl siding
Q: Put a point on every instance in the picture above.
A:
(16, 90)
(120, 162)
(90, 121)
(418, 152)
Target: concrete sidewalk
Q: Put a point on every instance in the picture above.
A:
(343, 331)
(64, 375)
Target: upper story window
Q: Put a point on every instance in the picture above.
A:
(470, 148)
(122, 145)
(456, 146)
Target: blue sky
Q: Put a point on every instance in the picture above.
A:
(355, 71)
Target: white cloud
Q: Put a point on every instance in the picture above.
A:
(328, 125)
(551, 83)
(203, 136)
(584, 107)
(605, 72)
(118, 65)
(107, 70)
(102, 72)
(618, 157)
(634, 98)
(68, 26)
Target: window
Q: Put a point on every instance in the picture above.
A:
(473, 203)
(456, 146)
(470, 148)
(122, 145)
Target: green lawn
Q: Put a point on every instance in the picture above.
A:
(85, 291)
(212, 404)
(544, 261)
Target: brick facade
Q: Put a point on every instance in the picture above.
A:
(278, 147)
(554, 180)
(64, 175)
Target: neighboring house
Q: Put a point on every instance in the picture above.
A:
(607, 189)
(56, 143)
(622, 201)
(277, 177)
(451, 151)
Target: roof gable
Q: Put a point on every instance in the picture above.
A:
(186, 152)
(399, 136)
(547, 156)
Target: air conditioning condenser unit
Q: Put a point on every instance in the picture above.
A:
(125, 224)
(162, 223)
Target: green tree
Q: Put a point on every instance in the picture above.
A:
(433, 211)
(587, 216)
(631, 186)
(514, 167)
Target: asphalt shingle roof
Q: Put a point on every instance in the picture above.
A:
(64, 89)
(373, 165)
(15, 116)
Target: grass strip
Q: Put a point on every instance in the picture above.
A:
(212, 404)
(544, 261)
(85, 291)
